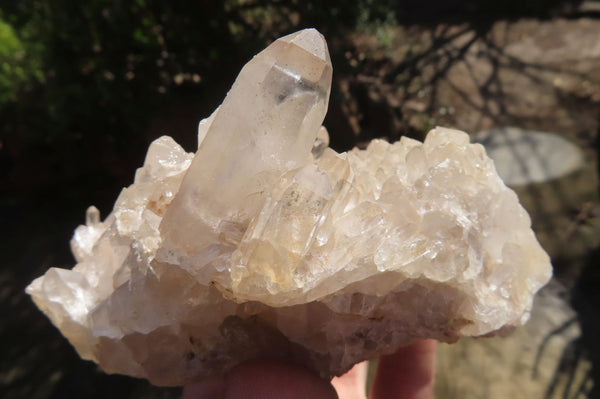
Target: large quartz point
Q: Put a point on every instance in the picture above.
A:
(266, 243)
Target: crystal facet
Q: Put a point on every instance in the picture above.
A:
(267, 243)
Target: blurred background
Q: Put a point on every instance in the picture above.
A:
(86, 86)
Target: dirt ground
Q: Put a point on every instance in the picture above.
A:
(391, 81)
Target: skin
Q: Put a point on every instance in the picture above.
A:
(407, 374)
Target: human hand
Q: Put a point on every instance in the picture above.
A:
(406, 374)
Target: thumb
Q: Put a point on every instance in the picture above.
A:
(270, 379)
(264, 379)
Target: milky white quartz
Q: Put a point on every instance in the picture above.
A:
(266, 243)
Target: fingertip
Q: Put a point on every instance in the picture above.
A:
(408, 373)
(353, 384)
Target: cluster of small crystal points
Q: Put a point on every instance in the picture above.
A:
(266, 243)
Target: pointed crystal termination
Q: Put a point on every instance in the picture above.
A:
(266, 126)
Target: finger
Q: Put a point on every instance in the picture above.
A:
(208, 389)
(353, 384)
(408, 373)
(269, 379)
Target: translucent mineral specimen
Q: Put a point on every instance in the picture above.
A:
(268, 243)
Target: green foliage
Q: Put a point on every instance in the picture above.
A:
(373, 13)
(13, 73)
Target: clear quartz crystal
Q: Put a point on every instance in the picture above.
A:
(267, 243)
(272, 115)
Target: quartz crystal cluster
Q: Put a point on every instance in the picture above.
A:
(267, 243)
